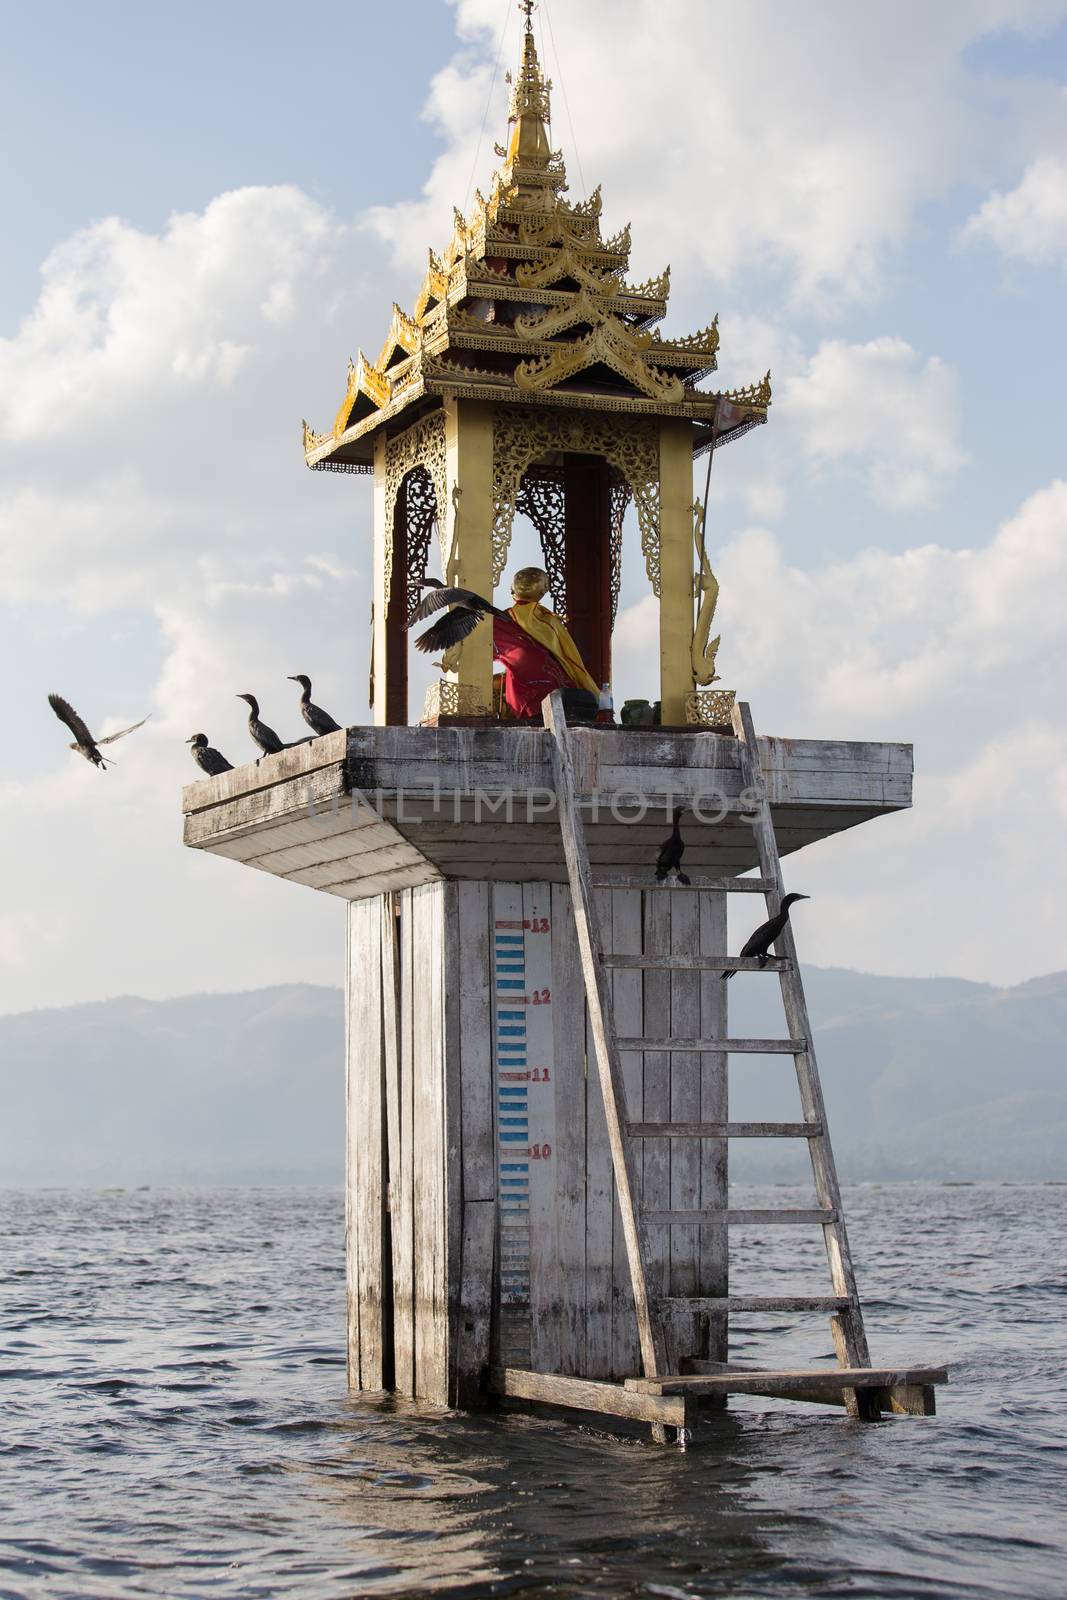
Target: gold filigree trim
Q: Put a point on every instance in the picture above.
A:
(422, 445)
(704, 343)
(446, 699)
(521, 437)
(652, 289)
(710, 708)
(584, 306)
(607, 345)
(566, 262)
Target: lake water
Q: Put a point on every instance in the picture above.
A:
(174, 1422)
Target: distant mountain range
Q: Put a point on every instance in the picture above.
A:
(923, 1078)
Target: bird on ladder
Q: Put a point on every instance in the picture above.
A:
(467, 610)
(672, 850)
(759, 943)
(318, 721)
(84, 742)
(207, 759)
(265, 737)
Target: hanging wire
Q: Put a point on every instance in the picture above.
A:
(488, 103)
(566, 102)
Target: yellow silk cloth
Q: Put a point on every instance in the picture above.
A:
(547, 629)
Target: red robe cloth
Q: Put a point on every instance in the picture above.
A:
(531, 671)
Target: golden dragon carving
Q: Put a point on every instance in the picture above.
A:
(706, 585)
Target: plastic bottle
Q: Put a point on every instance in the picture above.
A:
(605, 705)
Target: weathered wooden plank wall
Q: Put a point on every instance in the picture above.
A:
(365, 1141)
(423, 1113)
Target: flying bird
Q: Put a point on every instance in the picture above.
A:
(207, 759)
(759, 943)
(318, 721)
(265, 737)
(671, 852)
(84, 742)
(467, 611)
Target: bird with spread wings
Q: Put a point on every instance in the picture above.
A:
(84, 742)
(467, 610)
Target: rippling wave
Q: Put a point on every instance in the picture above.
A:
(175, 1423)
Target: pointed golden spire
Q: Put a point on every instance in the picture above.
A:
(529, 107)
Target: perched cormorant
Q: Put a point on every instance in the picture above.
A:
(318, 721)
(670, 857)
(265, 737)
(467, 611)
(84, 742)
(208, 760)
(759, 944)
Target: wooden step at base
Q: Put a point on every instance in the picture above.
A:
(738, 1218)
(744, 1047)
(724, 1130)
(586, 1394)
(907, 1391)
(700, 963)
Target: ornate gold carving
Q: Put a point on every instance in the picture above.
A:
(529, 95)
(510, 252)
(710, 708)
(566, 263)
(555, 229)
(607, 343)
(520, 437)
(584, 208)
(312, 440)
(652, 289)
(757, 395)
(705, 583)
(434, 286)
(421, 445)
(581, 307)
(404, 334)
(374, 384)
(445, 699)
(704, 343)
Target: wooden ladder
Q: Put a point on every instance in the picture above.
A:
(654, 1313)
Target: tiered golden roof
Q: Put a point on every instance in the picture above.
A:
(530, 304)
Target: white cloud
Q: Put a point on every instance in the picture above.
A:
(150, 462)
(1029, 222)
(959, 651)
(881, 408)
(823, 128)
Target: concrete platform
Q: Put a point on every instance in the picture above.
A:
(372, 809)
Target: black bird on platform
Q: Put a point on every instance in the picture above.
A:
(207, 759)
(759, 943)
(671, 852)
(84, 742)
(265, 737)
(467, 611)
(318, 721)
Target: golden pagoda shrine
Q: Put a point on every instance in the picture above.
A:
(538, 1039)
(531, 377)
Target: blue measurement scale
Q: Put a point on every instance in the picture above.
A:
(524, 1079)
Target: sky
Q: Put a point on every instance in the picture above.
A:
(211, 208)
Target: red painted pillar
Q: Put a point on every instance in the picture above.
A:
(587, 559)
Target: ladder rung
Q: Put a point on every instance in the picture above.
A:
(758, 1302)
(750, 1047)
(724, 1130)
(734, 1219)
(725, 885)
(701, 963)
